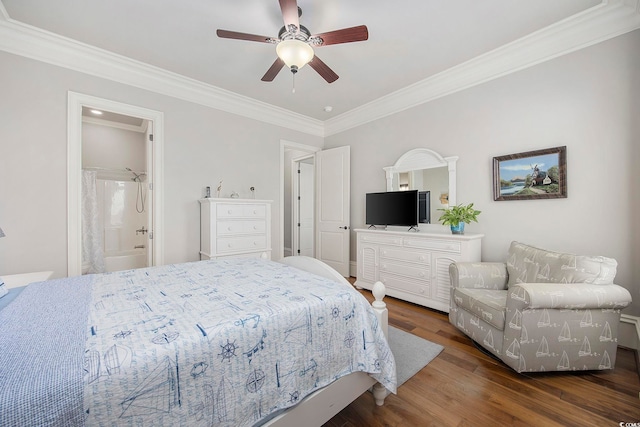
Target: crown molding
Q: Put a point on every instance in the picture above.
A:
(32, 42)
(609, 19)
(602, 22)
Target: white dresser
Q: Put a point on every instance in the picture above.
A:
(235, 227)
(414, 266)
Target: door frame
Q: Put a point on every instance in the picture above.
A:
(295, 203)
(284, 146)
(149, 135)
(75, 103)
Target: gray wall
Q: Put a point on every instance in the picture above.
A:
(202, 146)
(587, 100)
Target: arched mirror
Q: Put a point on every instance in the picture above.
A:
(426, 171)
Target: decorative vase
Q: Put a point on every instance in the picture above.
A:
(458, 229)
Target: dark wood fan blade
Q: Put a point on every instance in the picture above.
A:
(243, 36)
(324, 70)
(290, 12)
(273, 71)
(346, 35)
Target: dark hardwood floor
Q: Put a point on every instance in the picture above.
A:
(465, 387)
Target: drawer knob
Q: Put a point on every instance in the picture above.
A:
(255, 211)
(255, 227)
(422, 274)
(229, 211)
(421, 258)
(229, 228)
(255, 243)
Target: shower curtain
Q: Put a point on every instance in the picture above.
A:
(92, 249)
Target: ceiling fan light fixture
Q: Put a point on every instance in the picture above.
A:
(294, 53)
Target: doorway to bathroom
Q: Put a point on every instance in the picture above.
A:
(116, 216)
(115, 173)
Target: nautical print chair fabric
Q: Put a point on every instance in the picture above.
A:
(541, 310)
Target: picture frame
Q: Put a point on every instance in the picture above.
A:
(539, 174)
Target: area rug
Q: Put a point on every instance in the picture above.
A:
(412, 353)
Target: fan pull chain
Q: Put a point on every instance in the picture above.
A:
(293, 89)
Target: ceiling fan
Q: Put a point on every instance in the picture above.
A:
(295, 43)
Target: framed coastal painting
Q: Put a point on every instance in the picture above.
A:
(539, 174)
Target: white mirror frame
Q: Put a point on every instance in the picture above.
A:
(423, 158)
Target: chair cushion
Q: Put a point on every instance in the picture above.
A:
(528, 264)
(488, 304)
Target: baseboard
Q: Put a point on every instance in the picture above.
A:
(353, 269)
(287, 252)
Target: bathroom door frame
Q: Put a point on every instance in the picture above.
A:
(75, 103)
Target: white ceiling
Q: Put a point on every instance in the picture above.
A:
(409, 41)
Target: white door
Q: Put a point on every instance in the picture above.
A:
(333, 174)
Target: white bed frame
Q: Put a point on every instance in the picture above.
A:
(320, 406)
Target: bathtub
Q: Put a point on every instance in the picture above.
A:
(125, 260)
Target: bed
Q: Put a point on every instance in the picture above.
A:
(236, 342)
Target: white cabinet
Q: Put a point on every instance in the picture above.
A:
(414, 266)
(235, 227)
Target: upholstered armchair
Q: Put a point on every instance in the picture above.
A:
(541, 310)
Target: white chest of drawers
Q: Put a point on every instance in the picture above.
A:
(235, 227)
(414, 266)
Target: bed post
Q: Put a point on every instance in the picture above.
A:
(380, 309)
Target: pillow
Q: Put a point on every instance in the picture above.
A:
(3, 288)
(528, 264)
(10, 296)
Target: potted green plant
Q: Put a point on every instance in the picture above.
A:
(457, 216)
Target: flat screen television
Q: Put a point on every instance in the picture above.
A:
(424, 207)
(392, 208)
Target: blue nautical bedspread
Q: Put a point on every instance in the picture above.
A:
(224, 342)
